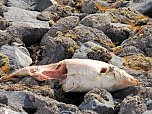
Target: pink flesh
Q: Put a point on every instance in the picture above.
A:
(57, 73)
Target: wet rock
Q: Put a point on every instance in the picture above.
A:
(98, 100)
(58, 48)
(3, 99)
(63, 25)
(138, 62)
(141, 41)
(29, 33)
(145, 7)
(132, 105)
(98, 20)
(89, 7)
(3, 23)
(83, 34)
(5, 37)
(91, 50)
(18, 55)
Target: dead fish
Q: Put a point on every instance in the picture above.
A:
(80, 75)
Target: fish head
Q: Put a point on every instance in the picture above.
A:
(117, 79)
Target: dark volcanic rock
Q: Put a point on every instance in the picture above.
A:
(98, 100)
(83, 34)
(63, 25)
(132, 105)
(142, 41)
(91, 50)
(59, 48)
(89, 7)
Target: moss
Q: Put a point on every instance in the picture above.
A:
(70, 51)
(138, 62)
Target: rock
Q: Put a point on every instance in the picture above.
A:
(51, 106)
(53, 12)
(59, 48)
(117, 32)
(29, 33)
(3, 2)
(29, 81)
(83, 34)
(91, 50)
(132, 105)
(3, 99)
(5, 37)
(23, 4)
(17, 98)
(138, 62)
(89, 7)
(18, 56)
(141, 41)
(63, 25)
(3, 23)
(98, 100)
(4, 110)
(144, 7)
(97, 20)
(88, 112)
(3, 9)
(147, 112)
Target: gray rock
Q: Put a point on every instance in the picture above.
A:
(50, 106)
(132, 105)
(23, 4)
(17, 98)
(148, 112)
(98, 100)
(3, 2)
(89, 7)
(3, 9)
(83, 34)
(143, 42)
(27, 32)
(91, 50)
(98, 20)
(18, 55)
(5, 38)
(59, 48)
(144, 7)
(62, 25)
(3, 99)
(4, 110)
(3, 23)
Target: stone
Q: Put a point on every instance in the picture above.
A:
(97, 20)
(98, 100)
(89, 7)
(3, 2)
(18, 55)
(3, 23)
(5, 37)
(3, 9)
(147, 112)
(132, 105)
(63, 25)
(82, 34)
(3, 99)
(91, 50)
(142, 41)
(4, 110)
(59, 48)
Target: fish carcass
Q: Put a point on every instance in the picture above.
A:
(80, 75)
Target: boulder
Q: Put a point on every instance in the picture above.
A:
(4, 110)
(3, 23)
(91, 50)
(5, 37)
(18, 55)
(62, 25)
(98, 100)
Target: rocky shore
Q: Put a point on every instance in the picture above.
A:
(40, 32)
